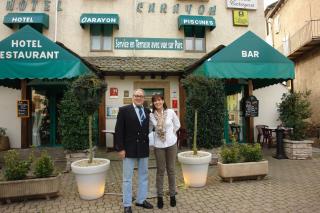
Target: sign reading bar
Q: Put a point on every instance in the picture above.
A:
(23, 108)
(242, 4)
(148, 43)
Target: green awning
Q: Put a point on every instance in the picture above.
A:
(29, 54)
(204, 21)
(26, 18)
(248, 57)
(95, 18)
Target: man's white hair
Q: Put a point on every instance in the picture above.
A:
(138, 90)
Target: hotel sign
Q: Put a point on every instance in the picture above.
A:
(242, 4)
(129, 43)
(23, 5)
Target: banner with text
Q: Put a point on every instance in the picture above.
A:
(127, 43)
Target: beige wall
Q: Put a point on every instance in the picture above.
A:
(8, 115)
(134, 24)
(293, 15)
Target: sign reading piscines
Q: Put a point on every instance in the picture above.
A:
(148, 43)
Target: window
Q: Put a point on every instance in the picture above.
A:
(101, 37)
(194, 38)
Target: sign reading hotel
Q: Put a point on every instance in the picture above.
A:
(242, 4)
(28, 49)
(126, 43)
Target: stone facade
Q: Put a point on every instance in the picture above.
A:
(298, 150)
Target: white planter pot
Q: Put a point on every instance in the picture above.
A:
(91, 179)
(195, 168)
(247, 169)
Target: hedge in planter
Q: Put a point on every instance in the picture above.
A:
(242, 161)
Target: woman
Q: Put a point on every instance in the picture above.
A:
(165, 124)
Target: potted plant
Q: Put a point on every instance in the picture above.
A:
(28, 178)
(195, 163)
(242, 161)
(90, 173)
(294, 110)
(4, 140)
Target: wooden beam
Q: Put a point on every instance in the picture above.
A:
(25, 127)
(249, 120)
(102, 122)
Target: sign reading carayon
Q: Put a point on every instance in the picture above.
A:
(28, 49)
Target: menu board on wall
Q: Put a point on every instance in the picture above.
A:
(23, 108)
(251, 107)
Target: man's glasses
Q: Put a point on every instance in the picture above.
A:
(138, 96)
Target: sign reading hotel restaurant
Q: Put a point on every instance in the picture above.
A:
(23, 108)
(28, 49)
(148, 43)
(242, 4)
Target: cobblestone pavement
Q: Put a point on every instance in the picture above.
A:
(291, 186)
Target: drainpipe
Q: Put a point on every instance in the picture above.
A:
(56, 21)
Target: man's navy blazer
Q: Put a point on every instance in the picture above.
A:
(130, 135)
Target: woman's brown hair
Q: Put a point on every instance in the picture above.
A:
(156, 97)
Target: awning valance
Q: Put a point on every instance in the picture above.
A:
(94, 18)
(204, 21)
(248, 57)
(27, 54)
(26, 18)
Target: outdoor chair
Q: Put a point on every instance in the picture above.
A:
(260, 133)
(267, 136)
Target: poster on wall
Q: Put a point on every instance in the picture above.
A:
(113, 92)
(240, 18)
(242, 4)
(112, 112)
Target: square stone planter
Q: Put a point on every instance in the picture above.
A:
(247, 170)
(37, 187)
(298, 150)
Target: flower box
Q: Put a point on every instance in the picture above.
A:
(246, 170)
(37, 187)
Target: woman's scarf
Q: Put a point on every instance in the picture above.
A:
(160, 127)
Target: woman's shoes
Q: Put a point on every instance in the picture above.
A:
(173, 201)
(160, 202)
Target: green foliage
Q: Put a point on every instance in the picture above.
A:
(293, 110)
(206, 95)
(44, 166)
(250, 153)
(73, 123)
(236, 153)
(3, 131)
(230, 154)
(15, 168)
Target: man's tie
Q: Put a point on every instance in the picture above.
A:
(142, 116)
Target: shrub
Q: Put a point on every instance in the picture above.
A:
(251, 153)
(208, 97)
(44, 166)
(15, 168)
(293, 110)
(73, 123)
(230, 154)
(236, 153)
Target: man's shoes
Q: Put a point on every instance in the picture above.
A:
(127, 209)
(160, 202)
(173, 201)
(145, 205)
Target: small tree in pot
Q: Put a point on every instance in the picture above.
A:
(90, 173)
(195, 163)
(294, 110)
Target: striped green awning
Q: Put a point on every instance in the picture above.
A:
(95, 18)
(204, 21)
(26, 18)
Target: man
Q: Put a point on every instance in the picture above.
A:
(132, 144)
